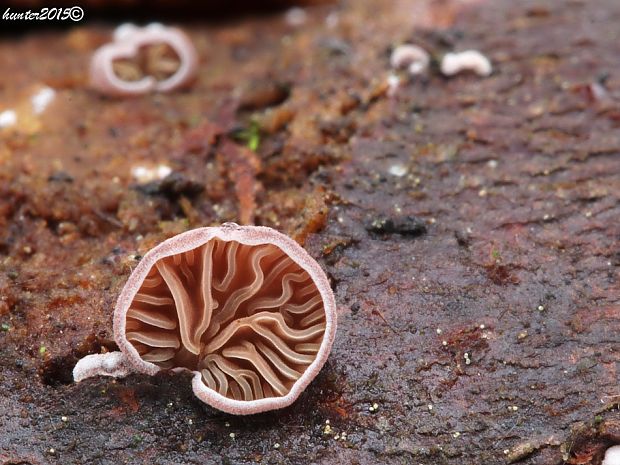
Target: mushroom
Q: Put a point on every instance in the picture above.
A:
(469, 60)
(612, 456)
(412, 57)
(244, 308)
(128, 39)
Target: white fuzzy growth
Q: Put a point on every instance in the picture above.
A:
(612, 456)
(415, 58)
(144, 174)
(398, 170)
(124, 31)
(110, 364)
(42, 99)
(163, 171)
(8, 118)
(469, 60)
(393, 83)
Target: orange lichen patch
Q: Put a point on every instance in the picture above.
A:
(313, 216)
(244, 167)
(299, 212)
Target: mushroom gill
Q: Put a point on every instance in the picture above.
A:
(248, 318)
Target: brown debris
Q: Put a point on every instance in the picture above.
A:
(313, 216)
(244, 165)
(200, 138)
(262, 94)
(275, 119)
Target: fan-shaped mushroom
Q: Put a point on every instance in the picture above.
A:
(244, 308)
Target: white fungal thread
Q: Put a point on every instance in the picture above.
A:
(110, 364)
(8, 118)
(42, 99)
(412, 57)
(469, 60)
(393, 84)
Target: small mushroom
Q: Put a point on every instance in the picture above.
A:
(244, 308)
(128, 39)
(412, 57)
(469, 60)
(612, 456)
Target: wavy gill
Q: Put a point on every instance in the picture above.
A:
(248, 318)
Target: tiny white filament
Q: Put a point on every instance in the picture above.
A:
(42, 99)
